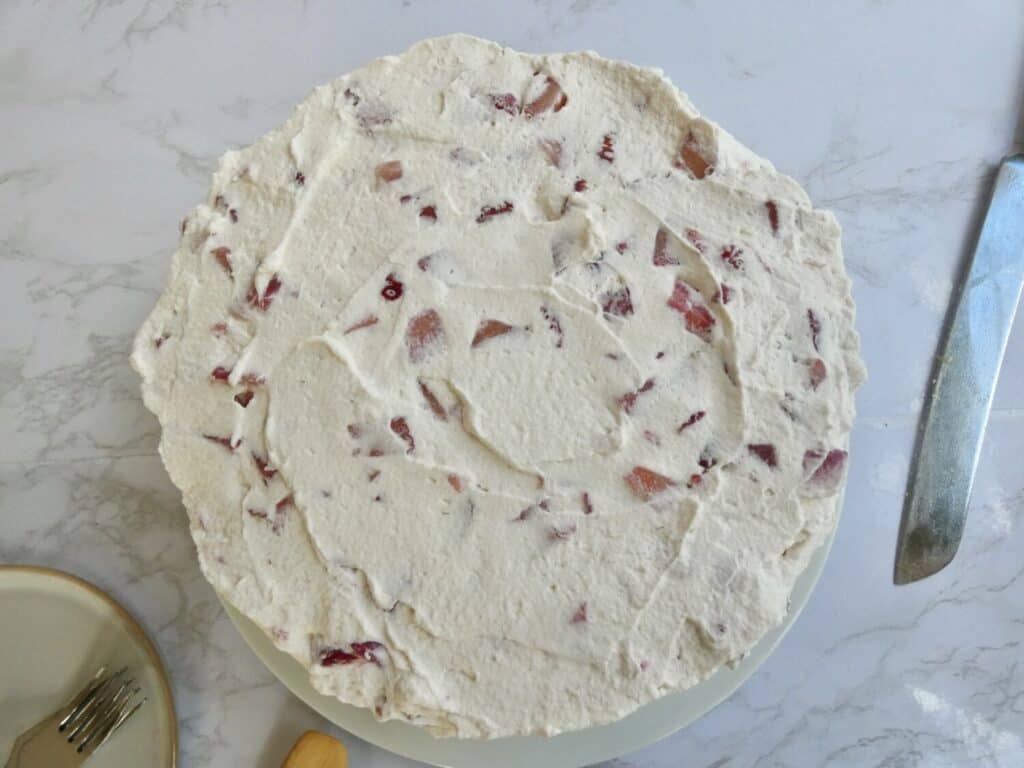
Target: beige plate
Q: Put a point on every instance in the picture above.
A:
(56, 631)
(645, 726)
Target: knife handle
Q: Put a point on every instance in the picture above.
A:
(963, 383)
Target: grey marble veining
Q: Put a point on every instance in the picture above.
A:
(112, 116)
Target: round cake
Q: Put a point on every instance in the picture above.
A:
(504, 391)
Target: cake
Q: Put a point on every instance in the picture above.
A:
(504, 392)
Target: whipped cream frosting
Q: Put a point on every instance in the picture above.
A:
(504, 391)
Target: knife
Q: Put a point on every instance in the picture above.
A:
(963, 382)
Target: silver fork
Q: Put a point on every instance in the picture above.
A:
(69, 736)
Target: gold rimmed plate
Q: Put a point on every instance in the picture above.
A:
(57, 630)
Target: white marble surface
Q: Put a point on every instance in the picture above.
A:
(112, 114)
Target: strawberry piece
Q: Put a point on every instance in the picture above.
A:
(219, 329)
(765, 452)
(488, 329)
(628, 400)
(699, 321)
(652, 438)
(401, 428)
(432, 402)
(252, 379)
(815, 325)
(818, 372)
(646, 483)
(265, 469)
(662, 258)
(408, 198)
(580, 185)
(490, 211)
(222, 255)
(505, 102)
(551, 97)
(561, 534)
(773, 216)
(725, 293)
(524, 515)
(424, 263)
(429, 213)
(580, 617)
(553, 149)
(607, 151)
(706, 461)
(393, 288)
(455, 482)
(692, 160)
(220, 373)
(284, 503)
(693, 419)
(366, 322)
(244, 398)
(389, 171)
(159, 340)
(263, 302)
(424, 332)
(227, 442)
(233, 213)
(694, 481)
(829, 472)
(733, 256)
(554, 324)
(622, 246)
(365, 652)
(300, 178)
(373, 475)
(696, 240)
(617, 302)
(588, 506)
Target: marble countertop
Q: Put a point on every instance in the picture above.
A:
(112, 115)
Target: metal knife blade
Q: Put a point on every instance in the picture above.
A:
(963, 382)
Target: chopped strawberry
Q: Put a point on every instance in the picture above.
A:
(222, 255)
(696, 240)
(551, 97)
(505, 102)
(233, 213)
(524, 515)
(733, 256)
(556, 533)
(389, 171)
(429, 213)
(227, 442)
(252, 379)
(244, 398)
(580, 185)
(360, 652)
(706, 461)
(219, 329)
(401, 428)
(588, 506)
(423, 333)
(628, 400)
(159, 340)
(699, 321)
(488, 329)
(691, 159)
(373, 475)
(366, 322)
(392, 290)
(662, 258)
(607, 151)
(818, 372)
(765, 452)
(263, 302)
(490, 211)
(424, 263)
(829, 472)
(693, 419)
(652, 438)
(694, 481)
(725, 293)
(580, 617)
(455, 482)
(815, 325)
(265, 469)
(284, 503)
(408, 198)
(553, 149)
(646, 483)
(432, 402)
(773, 215)
(554, 324)
(622, 246)
(300, 178)
(617, 302)
(220, 373)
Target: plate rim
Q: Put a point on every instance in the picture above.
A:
(276, 661)
(135, 629)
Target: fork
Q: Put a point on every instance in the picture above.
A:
(69, 736)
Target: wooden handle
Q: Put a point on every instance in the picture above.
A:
(316, 750)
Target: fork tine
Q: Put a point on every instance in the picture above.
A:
(114, 719)
(92, 712)
(83, 696)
